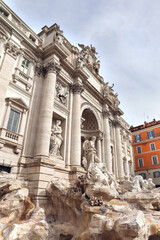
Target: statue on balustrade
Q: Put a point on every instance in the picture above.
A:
(56, 140)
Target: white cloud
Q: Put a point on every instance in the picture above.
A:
(126, 35)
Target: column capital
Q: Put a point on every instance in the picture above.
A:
(52, 67)
(106, 113)
(100, 137)
(77, 88)
(3, 38)
(117, 122)
(39, 70)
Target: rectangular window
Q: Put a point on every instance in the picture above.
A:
(13, 121)
(137, 138)
(140, 162)
(143, 175)
(155, 160)
(25, 65)
(152, 146)
(150, 134)
(156, 174)
(139, 150)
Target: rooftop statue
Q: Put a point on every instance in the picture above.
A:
(87, 57)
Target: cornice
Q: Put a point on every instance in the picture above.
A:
(12, 29)
(54, 48)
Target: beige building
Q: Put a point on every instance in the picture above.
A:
(53, 104)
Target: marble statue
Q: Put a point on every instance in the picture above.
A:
(87, 57)
(61, 93)
(56, 140)
(58, 35)
(90, 156)
(96, 171)
(139, 184)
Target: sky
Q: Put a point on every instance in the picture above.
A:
(126, 35)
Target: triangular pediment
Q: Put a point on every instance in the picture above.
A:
(17, 101)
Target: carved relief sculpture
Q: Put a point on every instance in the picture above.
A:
(56, 140)
(12, 49)
(61, 93)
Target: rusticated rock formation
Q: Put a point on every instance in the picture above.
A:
(79, 212)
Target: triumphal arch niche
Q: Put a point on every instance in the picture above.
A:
(57, 111)
(90, 127)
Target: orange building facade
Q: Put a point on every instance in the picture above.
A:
(146, 150)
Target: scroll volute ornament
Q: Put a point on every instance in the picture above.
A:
(53, 67)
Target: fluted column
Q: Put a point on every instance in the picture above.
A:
(119, 150)
(46, 112)
(126, 154)
(107, 141)
(99, 147)
(77, 89)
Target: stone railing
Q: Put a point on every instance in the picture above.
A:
(11, 136)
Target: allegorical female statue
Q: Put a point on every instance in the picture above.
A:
(56, 140)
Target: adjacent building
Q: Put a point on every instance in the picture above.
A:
(146, 148)
(52, 99)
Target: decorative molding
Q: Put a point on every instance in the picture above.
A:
(12, 50)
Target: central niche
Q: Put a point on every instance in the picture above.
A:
(89, 121)
(89, 130)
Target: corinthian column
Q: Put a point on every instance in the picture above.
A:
(119, 150)
(46, 111)
(107, 141)
(77, 89)
(99, 147)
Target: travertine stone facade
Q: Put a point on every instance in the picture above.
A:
(52, 99)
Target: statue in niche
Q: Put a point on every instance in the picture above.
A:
(96, 171)
(90, 156)
(56, 140)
